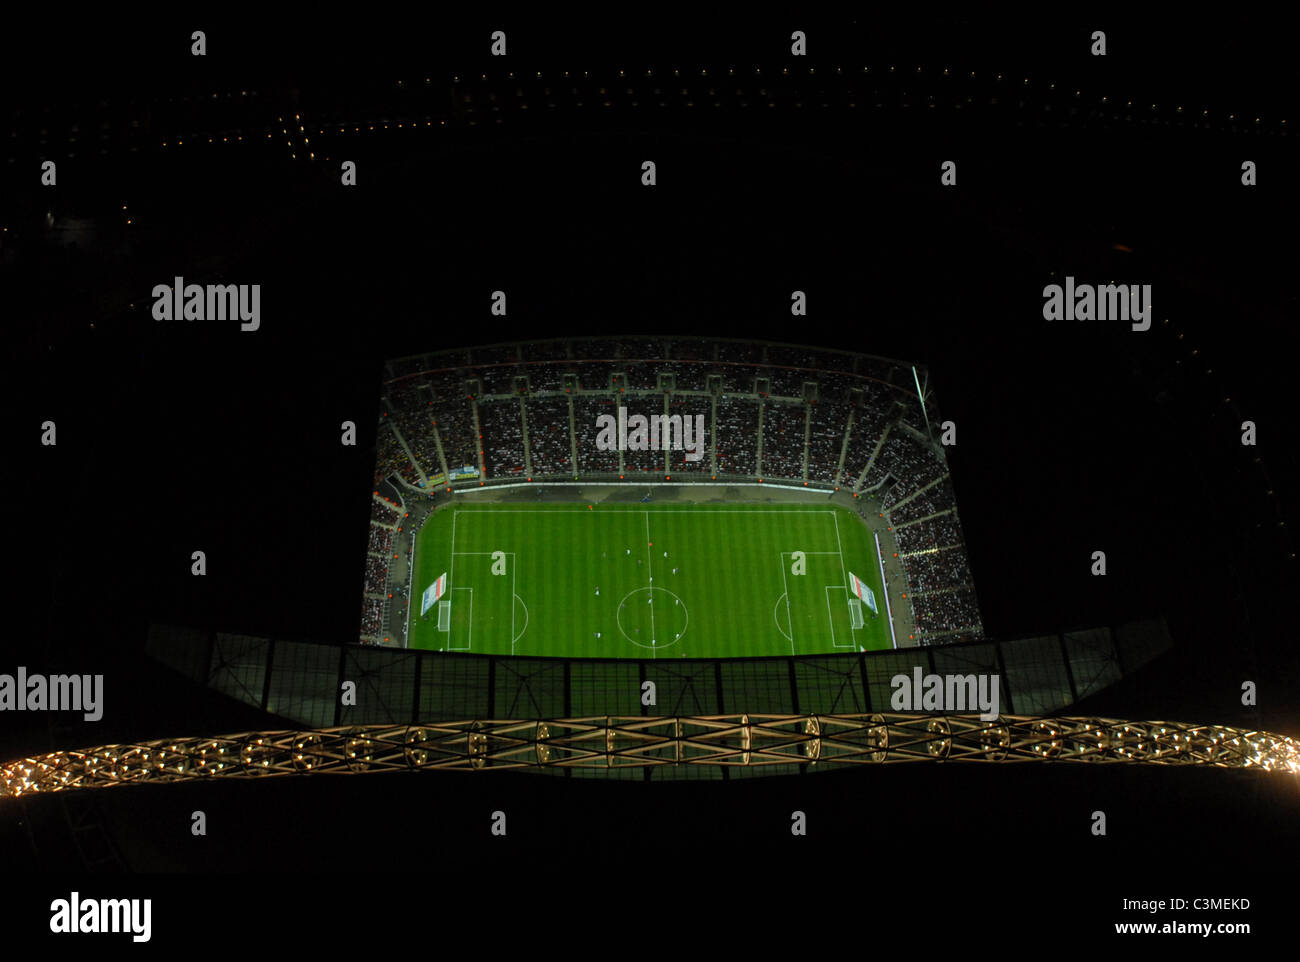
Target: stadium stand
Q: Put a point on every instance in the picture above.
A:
(455, 423)
(825, 439)
(548, 436)
(389, 456)
(376, 575)
(372, 616)
(383, 513)
(381, 541)
(503, 438)
(783, 441)
(691, 407)
(498, 379)
(591, 459)
(737, 435)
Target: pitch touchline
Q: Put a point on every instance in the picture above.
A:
(853, 638)
(474, 509)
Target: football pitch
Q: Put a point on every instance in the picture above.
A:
(646, 581)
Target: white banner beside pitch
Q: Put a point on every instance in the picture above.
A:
(864, 593)
(432, 594)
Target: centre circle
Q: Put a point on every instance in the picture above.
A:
(643, 595)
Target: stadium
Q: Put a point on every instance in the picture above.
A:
(534, 594)
(819, 515)
(534, 597)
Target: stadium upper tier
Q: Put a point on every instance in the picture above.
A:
(530, 411)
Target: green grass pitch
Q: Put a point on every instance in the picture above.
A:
(524, 580)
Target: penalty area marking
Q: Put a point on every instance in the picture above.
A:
(831, 617)
(451, 647)
(514, 560)
(776, 607)
(521, 630)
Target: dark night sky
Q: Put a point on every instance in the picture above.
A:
(1072, 436)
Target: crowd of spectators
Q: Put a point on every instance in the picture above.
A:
(933, 533)
(640, 462)
(738, 352)
(381, 541)
(638, 376)
(736, 378)
(546, 376)
(372, 616)
(690, 349)
(871, 417)
(835, 388)
(736, 435)
(908, 461)
(783, 429)
(410, 475)
(455, 423)
(690, 407)
(931, 501)
(650, 349)
(950, 566)
(436, 396)
(503, 437)
(686, 377)
(408, 405)
(498, 379)
(389, 456)
(417, 432)
(647, 461)
(445, 385)
(951, 611)
(594, 376)
(376, 575)
(383, 513)
(825, 440)
(785, 381)
(591, 459)
(548, 435)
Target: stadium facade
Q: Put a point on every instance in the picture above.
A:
(299, 683)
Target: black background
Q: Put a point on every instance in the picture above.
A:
(1072, 437)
